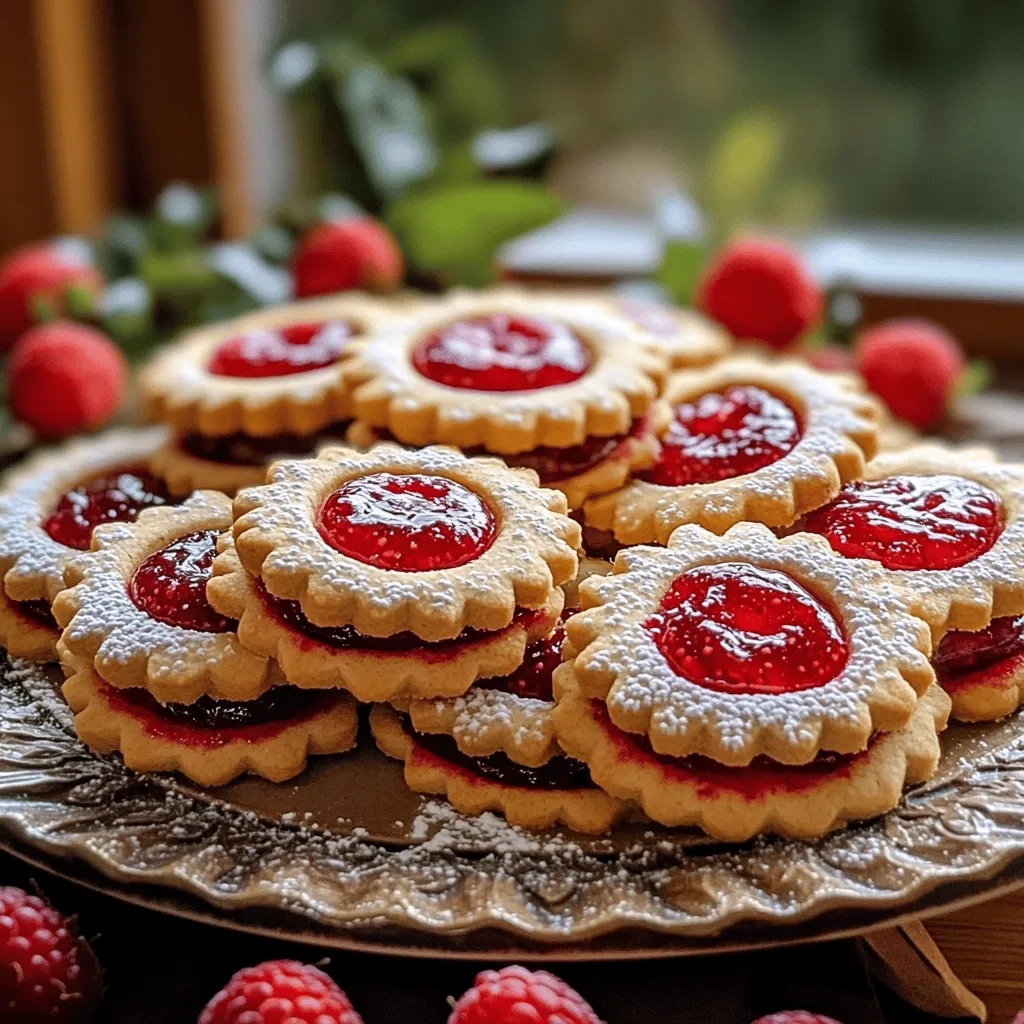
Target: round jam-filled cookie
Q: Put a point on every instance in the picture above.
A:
(945, 525)
(561, 790)
(508, 714)
(371, 668)
(983, 671)
(136, 608)
(736, 803)
(195, 462)
(210, 741)
(597, 466)
(746, 644)
(745, 440)
(273, 372)
(508, 373)
(48, 509)
(395, 541)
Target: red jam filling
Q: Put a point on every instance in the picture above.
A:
(407, 522)
(739, 628)
(170, 585)
(723, 435)
(964, 653)
(761, 778)
(212, 723)
(281, 351)
(114, 497)
(554, 464)
(242, 450)
(37, 612)
(561, 772)
(911, 522)
(533, 677)
(289, 614)
(502, 353)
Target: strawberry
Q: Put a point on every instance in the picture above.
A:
(342, 254)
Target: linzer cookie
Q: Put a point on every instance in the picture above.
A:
(273, 372)
(558, 387)
(745, 440)
(560, 790)
(136, 608)
(48, 510)
(396, 572)
(944, 525)
(746, 645)
(736, 803)
(210, 741)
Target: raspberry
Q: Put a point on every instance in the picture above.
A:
(280, 992)
(913, 366)
(795, 1017)
(63, 377)
(33, 273)
(47, 971)
(760, 291)
(342, 254)
(515, 995)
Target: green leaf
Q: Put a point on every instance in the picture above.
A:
(974, 378)
(680, 269)
(42, 308)
(80, 303)
(453, 232)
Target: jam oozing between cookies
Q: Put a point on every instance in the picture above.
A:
(502, 352)
(212, 723)
(407, 522)
(761, 778)
(114, 497)
(289, 614)
(242, 450)
(532, 680)
(723, 435)
(964, 656)
(561, 772)
(37, 612)
(281, 351)
(742, 629)
(170, 585)
(911, 522)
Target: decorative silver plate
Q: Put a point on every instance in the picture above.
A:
(347, 852)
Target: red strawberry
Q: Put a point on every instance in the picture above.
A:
(913, 366)
(280, 992)
(515, 995)
(760, 291)
(795, 1017)
(64, 377)
(38, 273)
(342, 254)
(47, 971)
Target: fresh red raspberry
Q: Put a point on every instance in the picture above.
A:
(342, 254)
(913, 366)
(64, 377)
(795, 1017)
(515, 995)
(280, 992)
(38, 272)
(760, 291)
(47, 971)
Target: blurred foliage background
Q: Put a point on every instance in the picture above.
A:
(848, 109)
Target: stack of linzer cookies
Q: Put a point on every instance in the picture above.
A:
(410, 505)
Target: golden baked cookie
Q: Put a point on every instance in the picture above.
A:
(746, 440)
(391, 541)
(371, 668)
(734, 804)
(210, 742)
(48, 508)
(559, 791)
(745, 645)
(506, 372)
(944, 524)
(272, 372)
(135, 608)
